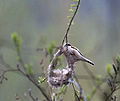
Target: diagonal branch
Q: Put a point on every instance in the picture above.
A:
(2, 76)
(32, 80)
(69, 26)
(81, 95)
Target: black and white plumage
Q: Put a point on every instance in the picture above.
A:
(73, 55)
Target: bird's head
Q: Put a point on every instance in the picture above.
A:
(67, 45)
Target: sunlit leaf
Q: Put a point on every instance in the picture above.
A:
(69, 17)
(76, 0)
(108, 68)
(98, 81)
(88, 97)
(73, 5)
(93, 90)
(118, 58)
(71, 10)
(29, 68)
(41, 80)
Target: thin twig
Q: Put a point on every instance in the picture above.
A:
(31, 96)
(75, 92)
(2, 76)
(110, 95)
(66, 34)
(36, 84)
(93, 77)
(29, 77)
(113, 82)
(82, 94)
(4, 63)
(21, 60)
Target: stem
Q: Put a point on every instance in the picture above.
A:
(69, 26)
(38, 86)
(93, 77)
(29, 77)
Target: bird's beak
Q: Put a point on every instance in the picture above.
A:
(87, 60)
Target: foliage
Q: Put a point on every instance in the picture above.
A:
(29, 68)
(17, 40)
(112, 78)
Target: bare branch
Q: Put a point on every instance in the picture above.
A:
(69, 26)
(31, 96)
(81, 95)
(2, 76)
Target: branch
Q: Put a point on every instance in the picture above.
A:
(111, 94)
(23, 70)
(69, 26)
(81, 91)
(2, 76)
(32, 80)
(113, 80)
(93, 77)
(75, 92)
(31, 96)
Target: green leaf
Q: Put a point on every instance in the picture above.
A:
(73, 5)
(29, 68)
(72, 23)
(17, 40)
(52, 44)
(18, 58)
(41, 80)
(118, 58)
(93, 90)
(50, 48)
(58, 61)
(99, 77)
(14, 37)
(108, 68)
(76, 0)
(88, 97)
(69, 17)
(99, 81)
(71, 10)
(62, 90)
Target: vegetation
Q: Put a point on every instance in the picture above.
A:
(107, 85)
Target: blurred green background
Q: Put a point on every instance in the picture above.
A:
(96, 33)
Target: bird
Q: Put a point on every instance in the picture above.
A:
(73, 54)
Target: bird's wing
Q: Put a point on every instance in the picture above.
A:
(76, 50)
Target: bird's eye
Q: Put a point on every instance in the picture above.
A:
(68, 44)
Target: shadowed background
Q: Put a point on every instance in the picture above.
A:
(96, 33)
